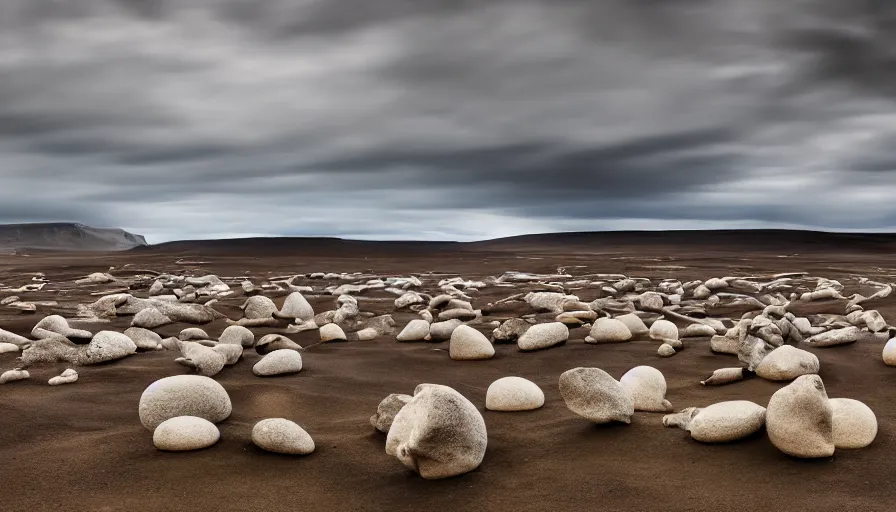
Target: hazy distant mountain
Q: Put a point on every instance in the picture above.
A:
(66, 237)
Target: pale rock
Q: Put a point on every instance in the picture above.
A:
(332, 332)
(230, 351)
(468, 344)
(834, 337)
(651, 301)
(889, 353)
(510, 331)
(513, 394)
(722, 422)
(69, 376)
(296, 306)
(271, 342)
(6, 348)
(647, 386)
(594, 395)
(799, 419)
(855, 425)
(205, 360)
(415, 330)
(278, 362)
(55, 324)
(14, 375)
(107, 346)
(787, 363)
(724, 376)
(663, 329)
(665, 350)
(279, 435)
(609, 330)
(144, 339)
(634, 323)
(237, 335)
(366, 334)
(438, 434)
(386, 411)
(13, 339)
(150, 318)
(698, 331)
(541, 336)
(183, 395)
(874, 321)
(185, 433)
(193, 333)
(258, 307)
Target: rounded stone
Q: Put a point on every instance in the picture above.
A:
(183, 395)
(727, 421)
(468, 344)
(541, 336)
(855, 425)
(107, 346)
(513, 394)
(279, 435)
(185, 433)
(593, 394)
(609, 330)
(237, 335)
(665, 350)
(278, 362)
(331, 332)
(787, 363)
(634, 323)
(647, 386)
(799, 419)
(663, 330)
(415, 330)
(889, 353)
(386, 411)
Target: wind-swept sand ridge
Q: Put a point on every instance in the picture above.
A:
(546, 459)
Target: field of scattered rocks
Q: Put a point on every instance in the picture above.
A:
(442, 377)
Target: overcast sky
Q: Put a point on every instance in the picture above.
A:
(429, 119)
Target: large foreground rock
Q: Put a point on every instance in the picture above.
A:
(386, 411)
(185, 433)
(438, 434)
(513, 394)
(787, 363)
(855, 425)
(799, 419)
(279, 435)
(542, 336)
(594, 395)
(647, 386)
(719, 423)
(183, 395)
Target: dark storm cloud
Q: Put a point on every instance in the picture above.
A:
(446, 119)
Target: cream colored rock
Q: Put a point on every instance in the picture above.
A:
(787, 363)
(855, 425)
(14, 375)
(107, 346)
(296, 306)
(150, 318)
(237, 335)
(698, 331)
(889, 353)
(799, 419)
(183, 395)
(510, 331)
(271, 342)
(279, 435)
(634, 323)
(6, 348)
(665, 350)
(259, 307)
(438, 434)
(663, 329)
(366, 334)
(55, 324)
(834, 337)
(513, 394)
(609, 330)
(468, 344)
(540, 336)
(278, 362)
(185, 433)
(386, 411)
(192, 334)
(722, 422)
(13, 339)
(647, 386)
(415, 330)
(69, 376)
(724, 376)
(144, 339)
(205, 360)
(332, 332)
(594, 395)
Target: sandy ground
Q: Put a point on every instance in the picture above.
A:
(82, 447)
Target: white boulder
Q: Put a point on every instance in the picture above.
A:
(69, 376)
(722, 422)
(542, 336)
(513, 394)
(799, 419)
(593, 394)
(468, 344)
(787, 363)
(185, 433)
(279, 435)
(278, 362)
(415, 330)
(663, 330)
(609, 330)
(107, 346)
(183, 395)
(386, 411)
(855, 425)
(647, 386)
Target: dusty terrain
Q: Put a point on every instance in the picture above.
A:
(82, 447)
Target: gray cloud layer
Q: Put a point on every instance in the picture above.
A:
(447, 119)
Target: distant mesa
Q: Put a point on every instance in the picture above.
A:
(65, 236)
